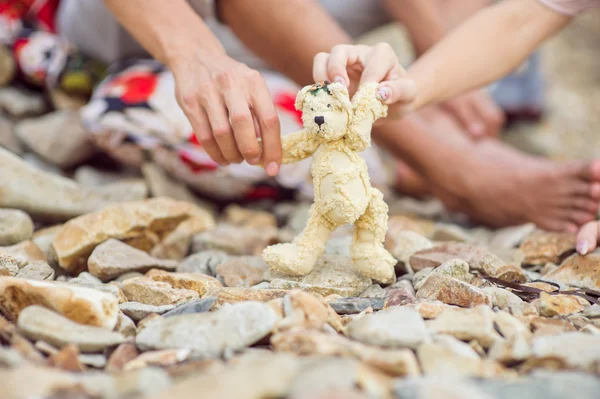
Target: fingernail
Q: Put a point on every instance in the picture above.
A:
(477, 129)
(582, 247)
(272, 169)
(384, 93)
(340, 79)
(254, 161)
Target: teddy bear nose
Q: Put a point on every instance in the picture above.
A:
(319, 120)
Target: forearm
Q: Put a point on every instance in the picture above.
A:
(286, 37)
(166, 29)
(487, 47)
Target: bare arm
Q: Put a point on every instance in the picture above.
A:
(485, 48)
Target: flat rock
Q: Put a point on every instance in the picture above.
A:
(575, 349)
(39, 323)
(24, 253)
(15, 226)
(201, 283)
(45, 136)
(8, 139)
(162, 358)
(560, 305)
(542, 247)
(399, 294)
(137, 223)
(233, 295)
(333, 274)
(406, 243)
(150, 292)
(593, 312)
(122, 355)
(511, 237)
(467, 324)
(210, 334)
(578, 271)
(19, 102)
(38, 270)
(138, 311)
(205, 262)
(67, 359)
(498, 268)
(125, 325)
(301, 309)
(235, 240)
(356, 305)
(236, 215)
(8, 266)
(441, 253)
(455, 268)
(96, 360)
(80, 304)
(511, 351)
(110, 288)
(396, 362)
(419, 277)
(396, 327)
(243, 271)
(398, 223)
(506, 300)
(199, 306)
(113, 258)
(452, 292)
(374, 291)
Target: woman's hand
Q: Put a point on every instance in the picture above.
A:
(229, 107)
(353, 65)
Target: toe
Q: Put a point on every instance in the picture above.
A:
(587, 238)
(595, 191)
(585, 204)
(589, 171)
(580, 217)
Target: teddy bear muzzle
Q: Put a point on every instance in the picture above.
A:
(319, 120)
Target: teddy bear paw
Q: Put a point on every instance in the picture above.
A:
(375, 262)
(288, 258)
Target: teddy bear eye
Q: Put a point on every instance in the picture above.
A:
(312, 109)
(328, 105)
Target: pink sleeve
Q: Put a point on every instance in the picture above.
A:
(570, 7)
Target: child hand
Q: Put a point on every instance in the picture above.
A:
(587, 237)
(354, 65)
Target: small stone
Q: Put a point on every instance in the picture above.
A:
(19, 103)
(560, 305)
(37, 322)
(593, 312)
(406, 243)
(163, 185)
(455, 268)
(262, 286)
(396, 362)
(233, 295)
(575, 349)
(45, 136)
(201, 283)
(431, 310)
(8, 139)
(124, 353)
(496, 267)
(396, 327)
(333, 274)
(138, 311)
(127, 276)
(163, 358)
(511, 351)
(204, 262)
(138, 223)
(24, 253)
(506, 300)
(300, 309)
(235, 240)
(199, 306)
(243, 271)
(467, 324)
(67, 359)
(110, 288)
(125, 326)
(38, 270)
(542, 247)
(399, 294)
(542, 286)
(10, 358)
(88, 278)
(8, 266)
(82, 305)
(356, 305)
(420, 277)
(510, 237)
(15, 226)
(150, 292)
(337, 245)
(113, 258)
(578, 271)
(450, 232)
(97, 361)
(439, 254)
(230, 328)
(543, 326)
(237, 216)
(452, 291)
(374, 291)
(398, 223)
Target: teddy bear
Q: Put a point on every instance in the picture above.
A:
(336, 129)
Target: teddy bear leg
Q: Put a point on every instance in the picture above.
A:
(368, 254)
(299, 257)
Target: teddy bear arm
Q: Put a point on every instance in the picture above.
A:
(366, 110)
(297, 146)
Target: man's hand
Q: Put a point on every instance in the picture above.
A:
(229, 107)
(477, 112)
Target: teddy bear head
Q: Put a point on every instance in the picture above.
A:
(326, 110)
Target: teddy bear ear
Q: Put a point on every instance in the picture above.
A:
(301, 96)
(340, 93)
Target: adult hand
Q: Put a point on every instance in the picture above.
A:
(353, 65)
(229, 107)
(477, 112)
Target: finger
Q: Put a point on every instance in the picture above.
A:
(467, 116)
(270, 129)
(200, 123)
(243, 126)
(340, 58)
(379, 61)
(402, 90)
(221, 128)
(491, 115)
(587, 238)
(320, 67)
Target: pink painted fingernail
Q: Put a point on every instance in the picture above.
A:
(582, 247)
(272, 169)
(340, 79)
(384, 93)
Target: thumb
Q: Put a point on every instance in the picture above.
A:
(400, 90)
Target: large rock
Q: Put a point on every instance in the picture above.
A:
(138, 223)
(574, 349)
(578, 271)
(542, 247)
(113, 258)
(82, 305)
(210, 334)
(333, 274)
(156, 293)
(396, 327)
(405, 243)
(39, 323)
(467, 324)
(235, 240)
(451, 291)
(201, 283)
(15, 226)
(46, 137)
